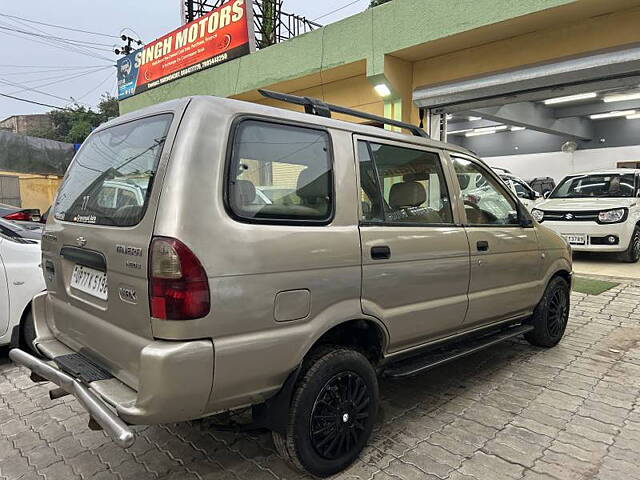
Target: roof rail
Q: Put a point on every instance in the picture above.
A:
(313, 106)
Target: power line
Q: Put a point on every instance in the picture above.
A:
(62, 46)
(59, 26)
(62, 39)
(95, 88)
(66, 76)
(30, 101)
(336, 10)
(65, 71)
(53, 67)
(35, 90)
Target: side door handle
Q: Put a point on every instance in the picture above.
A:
(380, 253)
(483, 246)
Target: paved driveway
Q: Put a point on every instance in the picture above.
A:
(572, 412)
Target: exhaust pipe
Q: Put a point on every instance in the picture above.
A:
(98, 410)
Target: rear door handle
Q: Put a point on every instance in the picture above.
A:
(381, 253)
(482, 246)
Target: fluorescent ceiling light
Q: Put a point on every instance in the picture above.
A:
(635, 116)
(449, 116)
(382, 90)
(495, 128)
(622, 97)
(517, 129)
(477, 133)
(474, 119)
(570, 98)
(620, 113)
(457, 132)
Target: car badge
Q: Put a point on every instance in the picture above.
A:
(81, 241)
(569, 216)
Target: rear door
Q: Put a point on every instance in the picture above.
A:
(98, 249)
(505, 258)
(415, 254)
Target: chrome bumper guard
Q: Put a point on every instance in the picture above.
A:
(97, 408)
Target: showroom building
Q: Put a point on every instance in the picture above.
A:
(541, 87)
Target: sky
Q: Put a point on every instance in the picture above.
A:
(36, 70)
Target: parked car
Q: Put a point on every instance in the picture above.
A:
(26, 230)
(9, 212)
(596, 212)
(543, 185)
(528, 196)
(479, 192)
(202, 300)
(20, 280)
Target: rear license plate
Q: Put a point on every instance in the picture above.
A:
(575, 239)
(90, 281)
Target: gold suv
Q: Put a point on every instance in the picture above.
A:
(207, 255)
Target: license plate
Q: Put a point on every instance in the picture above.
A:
(90, 281)
(575, 239)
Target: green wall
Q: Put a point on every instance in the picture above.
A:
(369, 35)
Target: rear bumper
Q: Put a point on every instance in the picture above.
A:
(174, 379)
(99, 411)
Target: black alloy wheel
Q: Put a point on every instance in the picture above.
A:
(339, 415)
(558, 313)
(551, 315)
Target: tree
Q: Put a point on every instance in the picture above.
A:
(375, 3)
(75, 123)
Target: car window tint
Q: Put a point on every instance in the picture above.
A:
(489, 205)
(402, 185)
(280, 173)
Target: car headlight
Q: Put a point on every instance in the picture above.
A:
(612, 216)
(538, 215)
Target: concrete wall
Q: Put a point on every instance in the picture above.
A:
(36, 191)
(26, 124)
(395, 27)
(559, 164)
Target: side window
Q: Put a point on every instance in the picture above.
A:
(521, 190)
(280, 173)
(490, 206)
(402, 185)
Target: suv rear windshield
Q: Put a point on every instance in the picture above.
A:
(110, 179)
(596, 185)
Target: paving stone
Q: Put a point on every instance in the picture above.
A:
(571, 412)
(483, 466)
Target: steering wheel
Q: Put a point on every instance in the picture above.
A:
(490, 217)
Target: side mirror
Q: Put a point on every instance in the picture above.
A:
(536, 195)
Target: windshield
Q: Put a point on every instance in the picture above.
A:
(597, 186)
(110, 179)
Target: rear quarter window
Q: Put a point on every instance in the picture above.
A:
(280, 174)
(110, 180)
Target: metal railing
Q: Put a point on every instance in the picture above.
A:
(271, 24)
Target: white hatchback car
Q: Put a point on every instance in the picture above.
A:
(20, 280)
(596, 212)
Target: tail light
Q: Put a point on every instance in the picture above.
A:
(20, 216)
(178, 285)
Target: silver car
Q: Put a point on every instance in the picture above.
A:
(204, 297)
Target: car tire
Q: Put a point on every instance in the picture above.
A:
(28, 333)
(332, 412)
(549, 319)
(632, 253)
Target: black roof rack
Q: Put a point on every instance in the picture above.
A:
(313, 106)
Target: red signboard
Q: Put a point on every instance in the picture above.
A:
(222, 35)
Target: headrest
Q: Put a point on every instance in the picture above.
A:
(244, 192)
(313, 184)
(407, 194)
